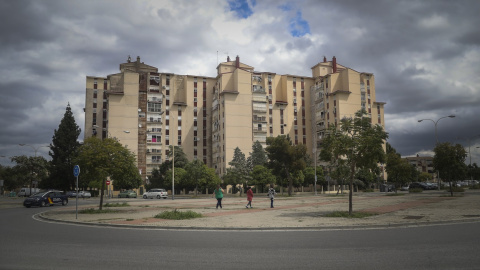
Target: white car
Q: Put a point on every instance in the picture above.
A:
(84, 194)
(155, 193)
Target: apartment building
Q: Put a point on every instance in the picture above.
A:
(208, 117)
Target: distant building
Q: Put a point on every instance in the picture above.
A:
(148, 111)
(422, 164)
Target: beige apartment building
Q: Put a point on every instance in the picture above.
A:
(208, 117)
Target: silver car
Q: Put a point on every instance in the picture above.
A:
(155, 193)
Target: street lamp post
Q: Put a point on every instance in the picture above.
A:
(436, 136)
(435, 123)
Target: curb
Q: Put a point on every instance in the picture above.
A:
(41, 217)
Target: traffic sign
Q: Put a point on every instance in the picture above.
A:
(76, 170)
(108, 182)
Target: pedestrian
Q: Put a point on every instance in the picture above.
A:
(249, 197)
(219, 196)
(271, 194)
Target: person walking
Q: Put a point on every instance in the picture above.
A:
(219, 196)
(249, 197)
(271, 194)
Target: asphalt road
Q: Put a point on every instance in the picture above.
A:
(31, 244)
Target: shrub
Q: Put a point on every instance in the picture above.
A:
(368, 190)
(96, 211)
(346, 215)
(415, 190)
(178, 215)
(456, 189)
(124, 204)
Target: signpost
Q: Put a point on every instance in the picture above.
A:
(76, 172)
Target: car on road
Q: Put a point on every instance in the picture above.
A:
(419, 185)
(84, 194)
(127, 194)
(46, 198)
(72, 194)
(155, 193)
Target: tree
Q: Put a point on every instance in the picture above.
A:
(425, 177)
(63, 149)
(449, 160)
(100, 159)
(286, 158)
(195, 171)
(258, 156)
(399, 170)
(30, 169)
(238, 173)
(309, 173)
(262, 177)
(358, 143)
(181, 159)
(156, 180)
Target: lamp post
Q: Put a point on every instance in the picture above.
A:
(435, 123)
(436, 136)
(34, 148)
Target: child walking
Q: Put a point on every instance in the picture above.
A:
(249, 197)
(271, 194)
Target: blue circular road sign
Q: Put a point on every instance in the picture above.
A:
(76, 170)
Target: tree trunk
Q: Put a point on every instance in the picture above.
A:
(101, 194)
(451, 189)
(290, 183)
(350, 195)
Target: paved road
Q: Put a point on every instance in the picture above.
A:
(32, 244)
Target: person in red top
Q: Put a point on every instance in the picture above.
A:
(249, 197)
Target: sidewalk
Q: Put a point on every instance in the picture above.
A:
(297, 212)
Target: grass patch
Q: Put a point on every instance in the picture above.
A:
(345, 214)
(130, 219)
(395, 194)
(124, 204)
(96, 211)
(369, 190)
(178, 215)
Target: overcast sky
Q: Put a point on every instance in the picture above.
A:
(425, 56)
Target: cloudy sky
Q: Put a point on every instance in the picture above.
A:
(425, 56)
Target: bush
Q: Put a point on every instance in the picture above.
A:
(368, 190)
(346, 215)
(415, 190)
(124, 204)
(178, 215)
(477, 186)
(96, 211)
(456, 189)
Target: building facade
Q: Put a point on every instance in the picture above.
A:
(209, 117)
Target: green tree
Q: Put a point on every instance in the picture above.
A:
(99, 159)
(238, 173)
(425, 177)
(258, 156)
(156, 180)
(449, 160)
(30, 169)
(181, 159)
(196, 170)
(399, 170)
(309, 173)
(285, 158)
(63, 150)
(262, 177)
(358, 143)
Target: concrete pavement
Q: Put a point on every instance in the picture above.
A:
(296, 212)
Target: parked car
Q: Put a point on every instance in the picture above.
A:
(84, 194)
(46, 198)
(418, 185)
(155, 193)
(127, 194)
(405, 188)
(25, 191)
(72, 194)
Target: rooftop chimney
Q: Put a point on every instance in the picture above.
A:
(334, 64)
(138, 59)
(228, 58)
(324, 59)
(237, 62)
